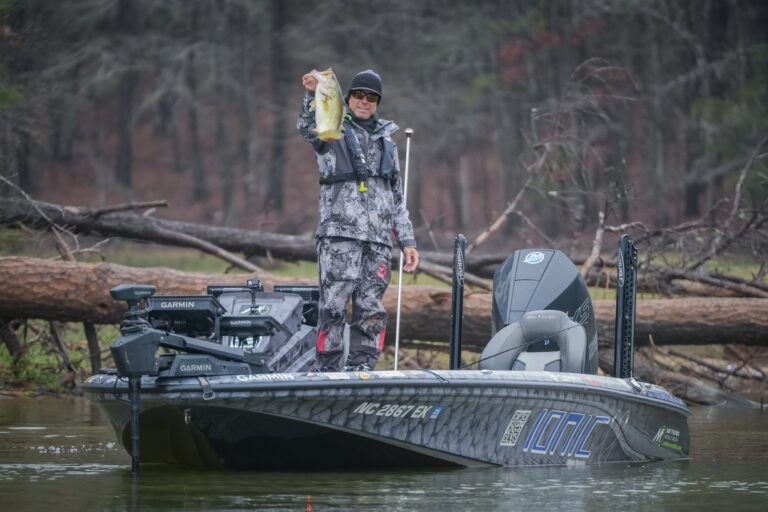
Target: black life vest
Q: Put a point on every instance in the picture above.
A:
(352, 165)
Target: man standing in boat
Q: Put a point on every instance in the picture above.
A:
(361, 206)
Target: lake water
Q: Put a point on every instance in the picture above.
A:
(60, 454)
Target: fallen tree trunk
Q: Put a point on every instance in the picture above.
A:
(114, 222)
(86, 221)
(67, 291)
(679, 383)
(108, 223)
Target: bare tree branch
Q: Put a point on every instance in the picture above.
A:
(721, 240)
(596, 246)
(501, 220)
(129, 206)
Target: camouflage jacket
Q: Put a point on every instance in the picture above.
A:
(345, 211)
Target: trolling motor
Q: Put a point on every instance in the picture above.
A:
(457, 301)
(626, 291)
(136, 297)
(196, 329)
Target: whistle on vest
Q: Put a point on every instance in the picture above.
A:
(362, 187)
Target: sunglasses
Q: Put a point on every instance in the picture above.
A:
(359, 95)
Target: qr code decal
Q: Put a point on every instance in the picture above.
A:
(514, 428)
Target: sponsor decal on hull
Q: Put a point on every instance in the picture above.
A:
(668, 437)
(514, 428)
(562, 432)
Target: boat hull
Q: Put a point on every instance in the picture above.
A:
(397, 419)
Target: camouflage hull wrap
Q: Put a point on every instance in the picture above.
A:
(360, 271)
(397, 419)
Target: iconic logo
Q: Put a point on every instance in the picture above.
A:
(534, 258)
(382, 272)
(561, 431)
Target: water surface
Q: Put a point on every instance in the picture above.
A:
(60, 454)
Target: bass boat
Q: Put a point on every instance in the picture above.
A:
(223, 380)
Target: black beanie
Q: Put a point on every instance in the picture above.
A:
(367, 80)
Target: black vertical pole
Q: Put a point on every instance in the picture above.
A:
(457, 302)
(134, 389)
(626, 281)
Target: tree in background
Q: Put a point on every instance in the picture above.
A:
(649, 109)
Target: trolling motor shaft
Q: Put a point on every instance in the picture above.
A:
(145, 362)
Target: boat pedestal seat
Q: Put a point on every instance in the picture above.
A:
(542, 340)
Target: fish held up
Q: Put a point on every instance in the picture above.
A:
(329, 106)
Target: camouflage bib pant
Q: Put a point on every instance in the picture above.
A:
(360, 271)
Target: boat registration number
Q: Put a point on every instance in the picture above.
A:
(397, 410)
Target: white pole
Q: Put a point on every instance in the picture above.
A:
(408, 133)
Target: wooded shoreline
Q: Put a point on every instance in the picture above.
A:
(79, 292)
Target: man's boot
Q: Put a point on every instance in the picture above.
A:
(361, 362)
(327, 362)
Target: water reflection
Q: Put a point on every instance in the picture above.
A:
(61, 454)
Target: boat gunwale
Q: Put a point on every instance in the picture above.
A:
(302, 381)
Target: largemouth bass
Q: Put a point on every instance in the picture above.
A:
(329, 105)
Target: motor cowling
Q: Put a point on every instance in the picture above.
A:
(543, 279)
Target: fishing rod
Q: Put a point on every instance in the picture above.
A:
(408, 134)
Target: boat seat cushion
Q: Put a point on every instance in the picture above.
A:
(538, 361)
(509, 348)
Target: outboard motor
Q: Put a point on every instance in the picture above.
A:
(541, 281)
